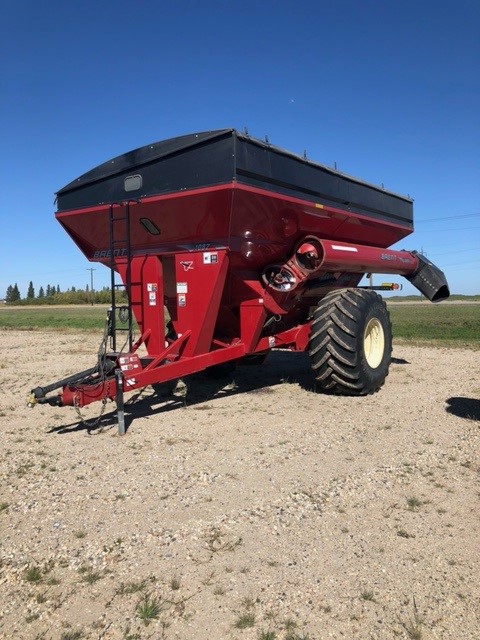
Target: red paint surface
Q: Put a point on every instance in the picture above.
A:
(205, 267)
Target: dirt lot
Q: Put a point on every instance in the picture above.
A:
(250, 508)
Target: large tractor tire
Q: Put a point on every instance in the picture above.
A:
(351, 342)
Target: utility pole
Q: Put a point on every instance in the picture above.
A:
(91, 269)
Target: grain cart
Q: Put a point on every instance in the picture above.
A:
(228, 247)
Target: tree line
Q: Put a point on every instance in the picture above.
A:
(52, 294)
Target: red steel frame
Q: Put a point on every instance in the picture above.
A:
(192, 284)
(219, 267)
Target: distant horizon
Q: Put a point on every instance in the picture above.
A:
(384, 293)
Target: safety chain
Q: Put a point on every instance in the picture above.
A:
(91, 424)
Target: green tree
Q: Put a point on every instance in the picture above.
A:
(13, 294)
(31, 290)
(41, 293)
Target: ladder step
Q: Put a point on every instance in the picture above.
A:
(120, 227)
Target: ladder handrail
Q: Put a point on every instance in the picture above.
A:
(126, 240)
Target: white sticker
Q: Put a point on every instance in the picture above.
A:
(152, 295)
(339, 248)
(182, 287)
(151, 286)
(182, 300)
(210, 257)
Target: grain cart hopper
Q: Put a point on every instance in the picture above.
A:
(247, 248)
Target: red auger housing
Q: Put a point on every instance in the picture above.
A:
(228, 247)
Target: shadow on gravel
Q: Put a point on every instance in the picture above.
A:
(281, 367)
(464, 408)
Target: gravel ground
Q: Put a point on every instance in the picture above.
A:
(250, 508)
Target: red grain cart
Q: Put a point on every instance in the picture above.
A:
(248, 248)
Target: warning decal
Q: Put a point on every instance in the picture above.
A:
(182, 287)
(210, 257)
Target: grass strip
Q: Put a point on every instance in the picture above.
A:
(435, 324)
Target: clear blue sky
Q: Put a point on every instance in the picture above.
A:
(388, 90)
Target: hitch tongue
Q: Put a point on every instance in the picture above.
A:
(38, 395)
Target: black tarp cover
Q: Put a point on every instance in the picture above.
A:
(220, 157)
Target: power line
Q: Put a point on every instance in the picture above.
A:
(463, 215)
(460, 264)
(452, 229)
(447, 253)
(457, 268)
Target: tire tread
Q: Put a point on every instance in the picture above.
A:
(335, 335)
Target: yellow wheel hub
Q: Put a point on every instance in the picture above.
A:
(374, 342)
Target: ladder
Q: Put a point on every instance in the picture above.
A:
(120, 252)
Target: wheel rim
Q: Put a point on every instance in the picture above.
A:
(374, 342)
